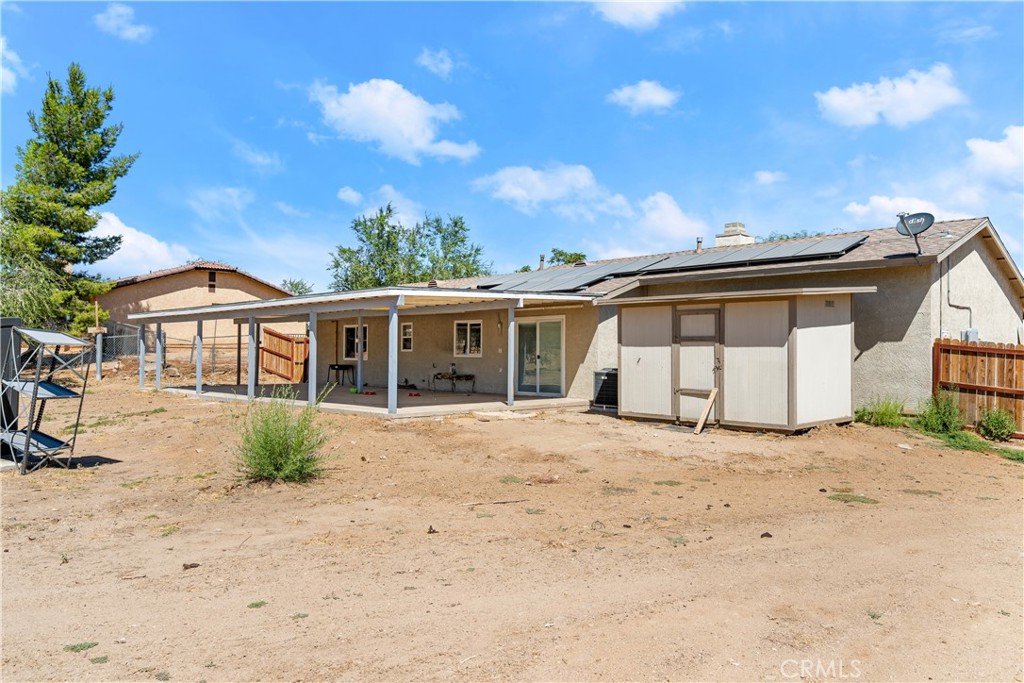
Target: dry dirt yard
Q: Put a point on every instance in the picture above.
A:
(631, 552)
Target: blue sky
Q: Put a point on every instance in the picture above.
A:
(614, 129)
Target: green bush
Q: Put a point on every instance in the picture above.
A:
(997, 424)
(279, 442)
(881, 412)
(941, 414)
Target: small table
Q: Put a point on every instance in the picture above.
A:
(340, 370)
(453, 378)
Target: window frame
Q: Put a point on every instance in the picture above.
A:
(455, 338)
(344, 342)
(402, 338)
(211, 281)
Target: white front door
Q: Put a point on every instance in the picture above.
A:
(539, 351)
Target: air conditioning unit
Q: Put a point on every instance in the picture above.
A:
(606, 389)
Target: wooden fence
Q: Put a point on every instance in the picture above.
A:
(284, 355)
(986, 376)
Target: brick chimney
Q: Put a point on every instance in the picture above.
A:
(735, 235)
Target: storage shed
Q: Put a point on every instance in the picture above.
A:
(780, 359)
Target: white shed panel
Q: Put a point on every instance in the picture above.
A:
(645, 363)
(756, 364)
(824, 355)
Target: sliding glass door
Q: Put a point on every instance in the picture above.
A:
(539, 349)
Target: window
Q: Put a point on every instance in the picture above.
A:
(469, 338)
(350, 342)
(212, 287)
(407, 336)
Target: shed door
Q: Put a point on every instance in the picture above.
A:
(645, 361)
(698, 364)
(756, 365)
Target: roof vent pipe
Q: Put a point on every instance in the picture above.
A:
(700, 244)
(432, 284)
(541, 267)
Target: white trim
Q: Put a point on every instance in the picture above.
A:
(402, 337)
(561, 380)
(455, 338)
(344, 341)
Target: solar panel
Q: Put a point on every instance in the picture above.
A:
(832, 247)
(635, 266)
(763, 253)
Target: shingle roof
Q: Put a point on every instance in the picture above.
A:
(195, 265)
(882, 247)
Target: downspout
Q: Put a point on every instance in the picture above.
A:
(970, 313)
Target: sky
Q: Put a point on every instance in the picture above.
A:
(265, 129)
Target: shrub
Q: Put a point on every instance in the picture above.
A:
(278, 442)
(881, 413)
(997, 424)
(941, 414)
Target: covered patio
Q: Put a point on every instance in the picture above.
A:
(391, 303)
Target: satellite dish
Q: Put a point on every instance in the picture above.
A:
(914, 224)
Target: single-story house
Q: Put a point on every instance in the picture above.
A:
(791, 333)
(200, 283)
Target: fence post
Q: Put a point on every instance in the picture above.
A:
(199, 358)
(99, 356)
(159, 355)
(936, 366)
(142, 356)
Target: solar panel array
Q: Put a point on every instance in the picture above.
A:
(575, 278)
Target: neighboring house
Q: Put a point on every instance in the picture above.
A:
(201, 283)
(792, 333)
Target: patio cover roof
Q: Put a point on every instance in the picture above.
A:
(368, 301)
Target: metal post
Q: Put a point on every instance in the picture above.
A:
(142, 356)
(159, 354)
(311, 363)
(251, 363)
(238, 355)
(259, 336)
(511, 379)
(199, 358)
(392, 358)
(99, 356)
(359, 352)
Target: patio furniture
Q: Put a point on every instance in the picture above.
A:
(340, 370)
(453, 378)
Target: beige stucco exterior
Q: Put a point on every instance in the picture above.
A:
(191, 289)
(589, 342)
(894, 328)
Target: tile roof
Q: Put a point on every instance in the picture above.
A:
(195, 265)
(882, 247)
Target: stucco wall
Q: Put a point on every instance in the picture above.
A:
(433, 342)
(184, 290)
(970, 276)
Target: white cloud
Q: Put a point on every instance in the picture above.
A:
(644, 96)
(350, 196)
(964, 32)
(638, 16)
(140, 252)
(570, 191)
(261, 161)
(402, 124)
(408, 211)
(119, 20)
(899, 101)
(769, 177)
(882, 209)
(220, 204)
(11, 68)
(437, 62)
(289, 210)
(660, 225)
(1001, 161)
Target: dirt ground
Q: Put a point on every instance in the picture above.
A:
(567, 547)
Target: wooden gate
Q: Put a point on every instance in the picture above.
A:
(986, 376)
(284, 355)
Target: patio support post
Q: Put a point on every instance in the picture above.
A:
(199, 358)
(359, 352)
(99, 356)
(159, 354)
(142, 356)
(311, 362)
(511, 354)
(251, 360)
(392, 358)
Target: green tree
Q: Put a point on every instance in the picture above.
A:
(388, 253)
(298, 287)
(560, 257)
(63, 173)
(779, 236)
